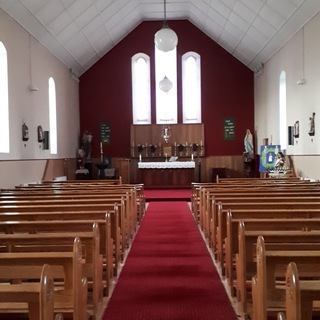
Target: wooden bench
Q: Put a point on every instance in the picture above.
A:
(72, 212)
(41, 226)
(268, 294)
(300, 295)
(246, 265)
(288, 209)
(138, 198)
(231, 244)
(125, 199)
(35, 298)
(53, 241)
(72, 296)
(125, 210)
(210, 198)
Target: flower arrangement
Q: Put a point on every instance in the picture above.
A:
(152, 148)
(140, 147)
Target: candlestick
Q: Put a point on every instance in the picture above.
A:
(101, 152)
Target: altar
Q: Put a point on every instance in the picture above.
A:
(167, 174)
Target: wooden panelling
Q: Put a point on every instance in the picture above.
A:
(146, 135)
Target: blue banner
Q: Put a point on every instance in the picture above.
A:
(268, 157)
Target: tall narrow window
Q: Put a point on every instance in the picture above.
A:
(4, 101)
(283, 110)
(52, 116)
(166, 100)
(141, 100)
(191, 87)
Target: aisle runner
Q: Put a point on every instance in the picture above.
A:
(169, 274)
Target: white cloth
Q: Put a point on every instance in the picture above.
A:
(166, 165)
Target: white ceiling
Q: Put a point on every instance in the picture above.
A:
(80, 32)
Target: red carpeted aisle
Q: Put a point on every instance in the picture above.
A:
(169, 274)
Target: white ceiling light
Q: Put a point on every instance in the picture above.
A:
(165, 39)
(165, 84)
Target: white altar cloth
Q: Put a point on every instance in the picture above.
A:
(167, 165)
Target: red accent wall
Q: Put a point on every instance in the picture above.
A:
(227, 90)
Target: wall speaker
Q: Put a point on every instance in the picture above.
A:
(290, 136)
(46, 140)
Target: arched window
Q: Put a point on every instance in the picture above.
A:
(191, 88)
(4, 103)
(166, 101)
(141, 100)
(283, 110)
(52, 116)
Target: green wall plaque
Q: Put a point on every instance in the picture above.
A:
(105, 132)
(229, 129)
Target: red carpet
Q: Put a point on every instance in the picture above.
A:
(169, 274)
(168, 194)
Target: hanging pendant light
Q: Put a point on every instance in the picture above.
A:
(165, 84)
(165, 39)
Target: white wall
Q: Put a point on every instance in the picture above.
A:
(299, 58)
(30, 63)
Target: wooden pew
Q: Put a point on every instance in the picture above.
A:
(92, 268)
(268, 294)
(231, 244)
(210, 198)
(300, 294)
(246, 265)
(72, 211)
(72, 296)
(88, 187)
(125, 199)
(41, 226)
(34, 298)
(53, 241)
(288, 209)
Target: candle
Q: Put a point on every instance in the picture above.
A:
(101, 152)
(140, 157)
(200, 142)
(192, 157)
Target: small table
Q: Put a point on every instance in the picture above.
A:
(82, 174)
(101, 167)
